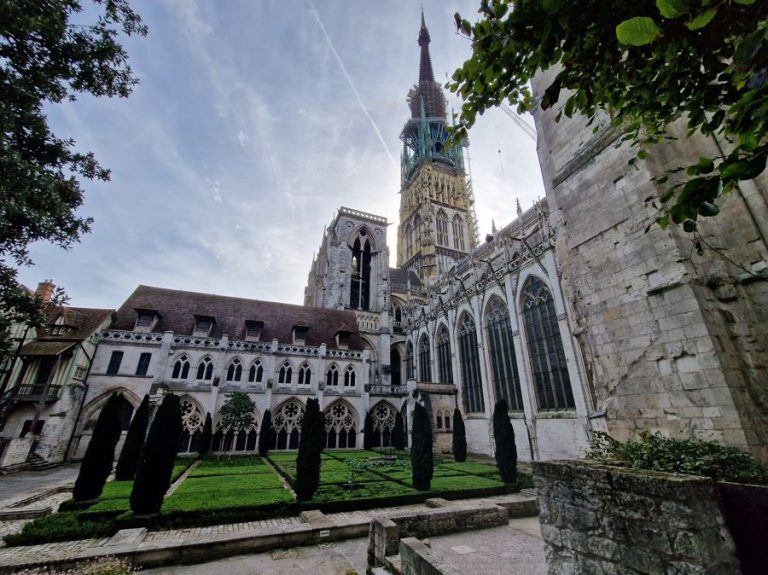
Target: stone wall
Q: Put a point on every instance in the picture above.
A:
(597, 519)
(416, 559)
(674, 340)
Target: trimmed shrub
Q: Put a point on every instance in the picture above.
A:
(459, 437)
(60, 527)
(654, 452)
(134, 441)
(205, 438)
(308, 459)
(368, 432)
(100, 455)
(506, 452)
(421, 449)
(153, 474)
(398, 433)
(267, 434)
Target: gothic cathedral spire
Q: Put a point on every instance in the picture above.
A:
(437, 223)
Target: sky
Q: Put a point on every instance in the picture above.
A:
(253, 122)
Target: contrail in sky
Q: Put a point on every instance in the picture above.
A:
(351, 83)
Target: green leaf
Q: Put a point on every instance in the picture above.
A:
(743, 169)
(637, 31)
(672, 8)
(744, 2)
(702, 19)
(708, 209)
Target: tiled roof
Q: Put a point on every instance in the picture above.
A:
(178, 308)
(82, 321)
(401, 276)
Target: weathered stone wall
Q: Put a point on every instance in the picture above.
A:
(416, 558)
(601, 519)
(673, 340)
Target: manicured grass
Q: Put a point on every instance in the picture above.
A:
(213, 486)
(205, 471)
(372, 490)
(473, 468)
(343, 476)
(235, 461)
(224, 499)
(108, 505)
(463, 482)
(116, 490)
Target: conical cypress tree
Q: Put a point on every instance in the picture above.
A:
(421, 449)
(153, 474)
(134, 441)
(459, 437)
(308, 459)
(100, 454)
(205, 438)
(368, 432)
(398, 433)
(506, 452)
(266, 435)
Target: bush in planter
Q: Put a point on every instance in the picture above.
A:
(398, 433)
(654, 452)
(134, 441)
(459, 437)
(421, 449)
(308, 459)
(100, 454)
(267, 434)
(205, 438)
(504, 434)
(153, 474)
(368, 431)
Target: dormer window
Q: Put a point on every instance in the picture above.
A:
(300, 334)
(145, 320)
(253, 330)
(343, 339)
(59, 327)
(203, 325)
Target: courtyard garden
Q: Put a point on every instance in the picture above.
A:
(245, 488)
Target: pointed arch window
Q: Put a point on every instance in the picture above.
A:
(444, 355)
(235, 370)
(305, 374)
(506, 381)
(349, 377)
(409, 360)
(545, 347)
(408, 242)
(360, 286)
(425, 369)
(441, 225)
(332, 376)
(205, 369)
(286, 424)
(181, 368)
(285, 375)
(458, 233)
(340, 426)
(472, 385)
(256, 372)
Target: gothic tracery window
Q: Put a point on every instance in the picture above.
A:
(305, 374)
(506, 381)
(458, 233)
(409, 360)
(332, 376)
(192, 420)
(181, 368)
(349, 377)
(383, 415)
(545, 347)
(286, 424)
(472, 385)
(205, 369)
(425, 370)
(340, 426)
(444, 355)
(441, 224)
(285, 375)
(360, 284)
(256, 372)
(235, 370)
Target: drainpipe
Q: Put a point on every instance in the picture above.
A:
(82, 402)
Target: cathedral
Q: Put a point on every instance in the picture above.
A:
(568, 313)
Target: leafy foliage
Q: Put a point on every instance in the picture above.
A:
(237, 412)
(206, 436)
(134, 441)
(504, 434)
(310, 447)
(368, 431)
(100, 454)
(46, 59)
(421, 449)
(398, 433)
(459, 437)
(654, 452)
(60, 527)
(266, 433)
(153, 474)
(644, 63)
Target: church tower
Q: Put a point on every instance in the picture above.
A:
(437, 221)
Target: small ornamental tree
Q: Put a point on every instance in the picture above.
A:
(134, 441)
(421, 449)
(266, 435)
(398, 434)
(459, 437)
(310, 446)
(506, 453)
(100, 455)
(153, 474)
(368, 431)
(205, 439)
